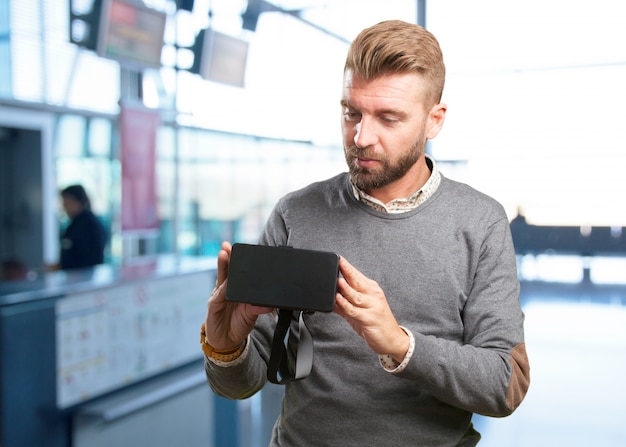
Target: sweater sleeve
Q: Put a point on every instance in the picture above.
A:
(247, 375)
(489, 372)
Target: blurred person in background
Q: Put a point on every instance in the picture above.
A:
(84, 240)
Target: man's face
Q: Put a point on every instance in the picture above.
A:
(385, 127)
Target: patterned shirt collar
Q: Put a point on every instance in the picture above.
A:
(402, 205)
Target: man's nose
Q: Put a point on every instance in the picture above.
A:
(365, 134)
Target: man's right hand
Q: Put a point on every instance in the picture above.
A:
(228, 324)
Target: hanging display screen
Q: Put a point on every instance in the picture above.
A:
(131, 34)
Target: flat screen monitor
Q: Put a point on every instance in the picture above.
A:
(131, 33)
(221, 58)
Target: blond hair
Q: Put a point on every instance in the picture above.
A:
(397, 47)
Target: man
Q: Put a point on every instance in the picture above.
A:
(427, 327)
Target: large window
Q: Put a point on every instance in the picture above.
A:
(212, 186)
(226, 184)
(43, 66)
(84, 155)
(5, 49)
(536, 98)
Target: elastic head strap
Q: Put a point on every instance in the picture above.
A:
(280, 368)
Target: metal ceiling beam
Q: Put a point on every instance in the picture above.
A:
(257, 7)
(260, 6)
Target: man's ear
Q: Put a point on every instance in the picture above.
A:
(436, 117)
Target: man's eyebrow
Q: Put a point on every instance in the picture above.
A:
(391, 112)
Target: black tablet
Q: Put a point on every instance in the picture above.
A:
(283, 277)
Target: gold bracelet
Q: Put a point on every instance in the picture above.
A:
(223, 355)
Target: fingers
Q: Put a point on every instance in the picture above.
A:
(342, 306)
(354, 286)
(223, 259)
(227, 323)
(217, 299)
(258, 310)
(354, 278)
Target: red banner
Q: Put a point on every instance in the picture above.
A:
(138, 133)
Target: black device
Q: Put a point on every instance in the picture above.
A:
(283, 277)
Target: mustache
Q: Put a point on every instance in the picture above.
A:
(360, 152)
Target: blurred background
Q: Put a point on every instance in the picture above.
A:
(186, 120)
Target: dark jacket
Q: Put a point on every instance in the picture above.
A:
(82, 243)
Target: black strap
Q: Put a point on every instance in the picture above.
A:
(281, 360)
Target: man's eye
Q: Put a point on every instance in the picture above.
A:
(389, 119)
(351, 115)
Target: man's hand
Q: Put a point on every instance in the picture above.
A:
(228, 324)
(362, 303)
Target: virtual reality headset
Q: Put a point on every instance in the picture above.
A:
(283, 277)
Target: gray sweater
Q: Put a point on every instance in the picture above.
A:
(449, 273)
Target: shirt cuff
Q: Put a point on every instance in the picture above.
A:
(390, 365)
(235, 362)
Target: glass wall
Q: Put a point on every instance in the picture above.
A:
(85, 154)
(46, 68)
(228, 183)
(212, 186)
(536, 96)
(5, 49)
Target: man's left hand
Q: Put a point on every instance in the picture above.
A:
(362, 303)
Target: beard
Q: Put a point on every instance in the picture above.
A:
(388, 171)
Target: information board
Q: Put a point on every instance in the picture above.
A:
(112, 337)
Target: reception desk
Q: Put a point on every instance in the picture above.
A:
(96, 356)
